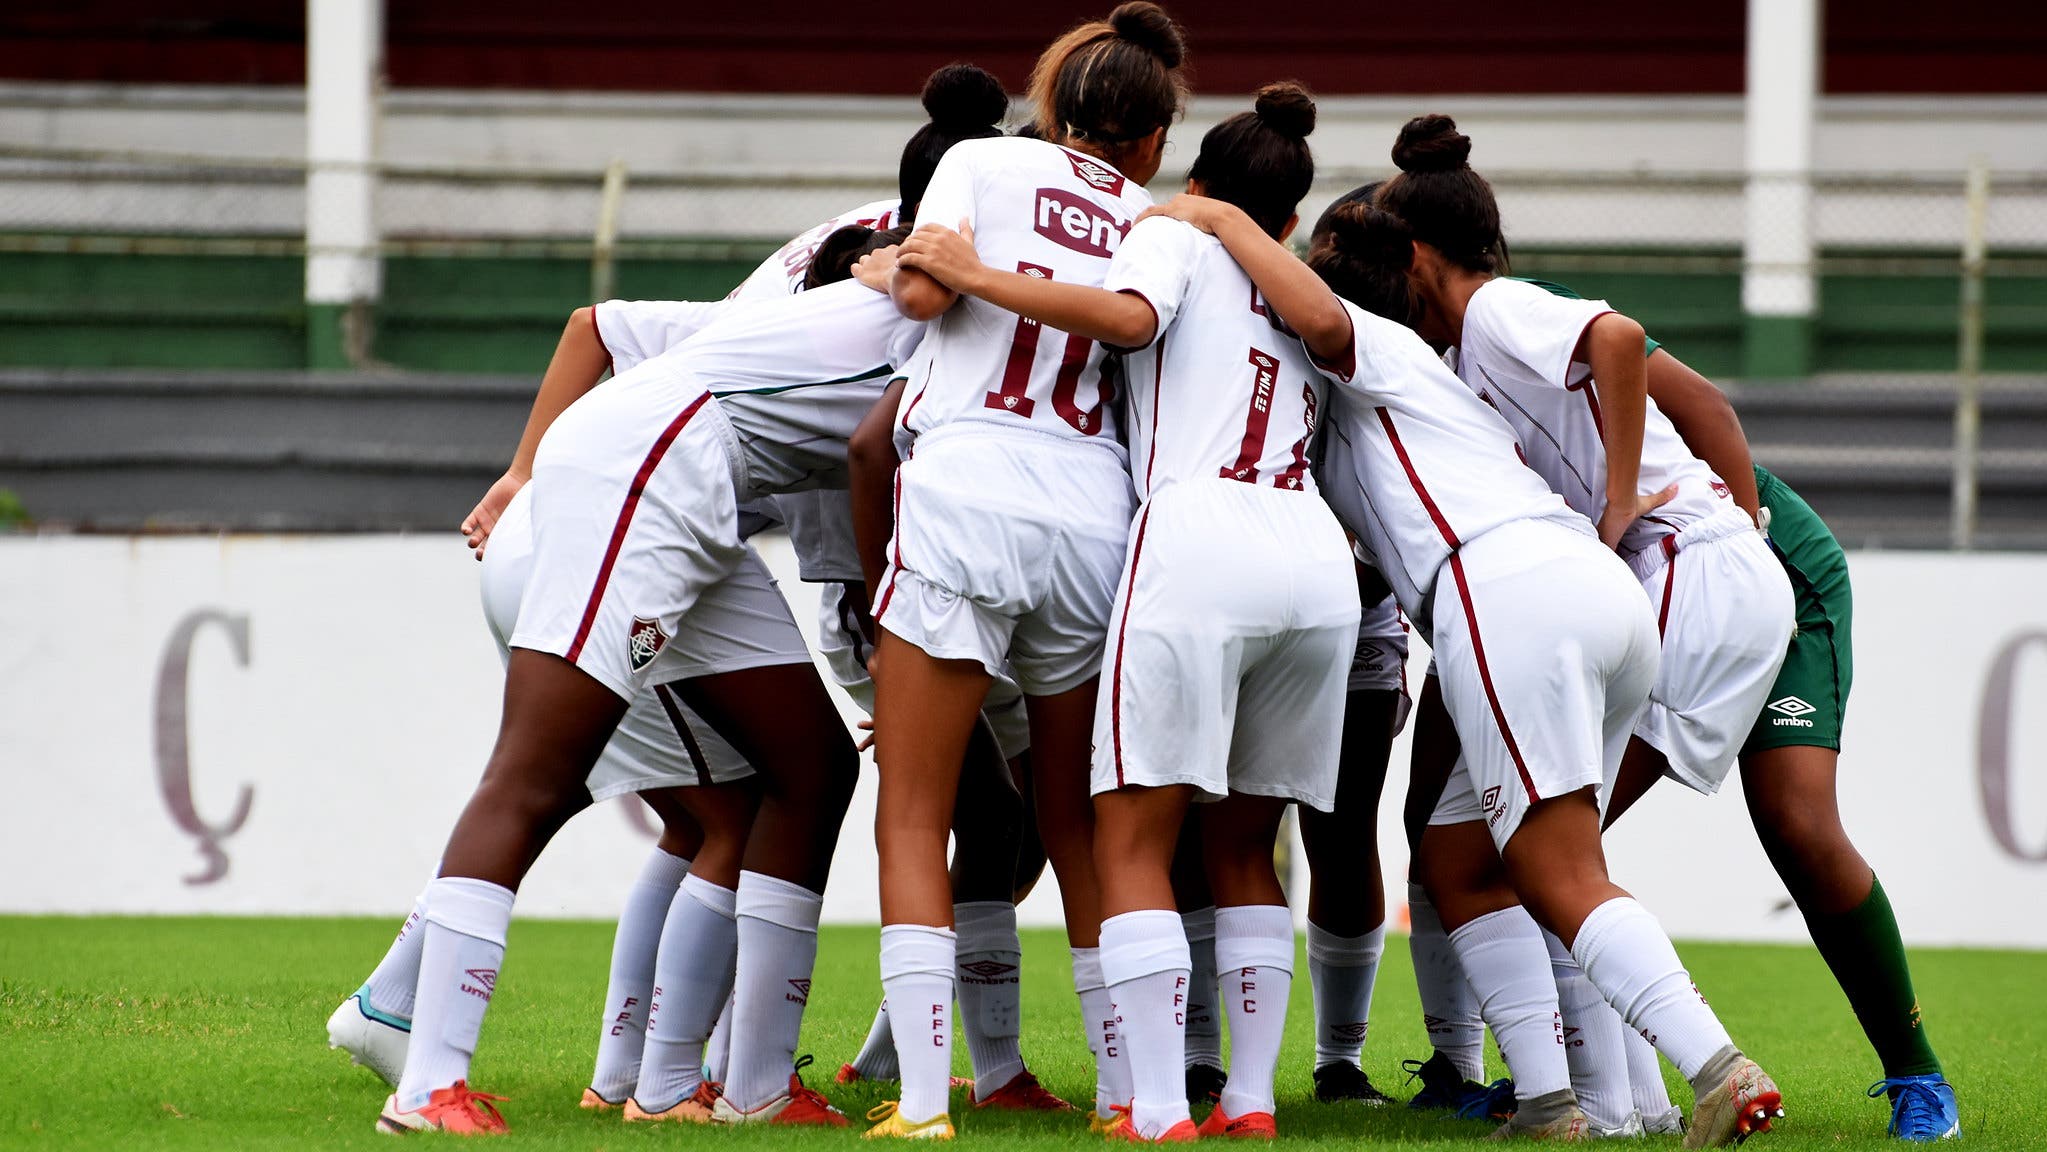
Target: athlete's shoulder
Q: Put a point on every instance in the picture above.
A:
(1549, 286)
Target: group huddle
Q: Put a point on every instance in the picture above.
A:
(1122, 513)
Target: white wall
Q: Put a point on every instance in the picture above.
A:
(366, 700)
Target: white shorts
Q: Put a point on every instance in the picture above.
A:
(1007, 548)
(1233, 634)
(1725, 611)
(1544, 665)
(659, 743)
(845, 651)
(636, 537)
(1380, 664)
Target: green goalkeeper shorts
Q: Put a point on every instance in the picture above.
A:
(1810, 699)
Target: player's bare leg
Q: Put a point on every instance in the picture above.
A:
(925, 712)
(781, 720)
(1791, 800)
(1347, 899)
(1144, 948)
(1254, 950)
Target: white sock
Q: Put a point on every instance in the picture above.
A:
(1145, 964)
(777, 955)
(1342, 971)
(1449, 1005)
(1503, 956)
(718, 1049)
(990, 991)
(1204, 1017)
(692, 986)
(877, 1058)
(917, 974)
(390, 987)
(1625, 953)
(462, 950)
(631, 987)
(1098, 1021)
(1595, 1042)
(1645, 1077)
(1254, 955)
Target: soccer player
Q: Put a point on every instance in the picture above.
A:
(1236, 623)
(1543, 707)
(610, 591)
(998, 540)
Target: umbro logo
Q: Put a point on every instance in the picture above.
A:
(1095, 175)
(1793, 712)
(802, 993)
(990, 972)
(1351, 1033)
(480, 982)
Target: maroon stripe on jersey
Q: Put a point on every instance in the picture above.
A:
(1116, 689)
(1158, 375)
(1669, 578)
(896, 565)
(1485, 677)
(625, 520)
(1414, 478)
(597, 330)
(1264, 386)
(670, 705)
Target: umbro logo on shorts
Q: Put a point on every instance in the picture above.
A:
(644, 642)
(1794, 711)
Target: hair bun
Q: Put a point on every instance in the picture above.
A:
(963, 97)
(1372, 235)
(1146, 25)
(1431, 144)
(1286, 108)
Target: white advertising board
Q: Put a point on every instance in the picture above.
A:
(280, 724)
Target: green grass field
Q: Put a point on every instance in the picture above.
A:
(209, 1033)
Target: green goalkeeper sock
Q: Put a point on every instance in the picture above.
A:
(1867, 956)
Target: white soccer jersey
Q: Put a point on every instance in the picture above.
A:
(1222, 390)
(636, 330)
(1042, 210)
(1516, 353)
(783, 273)
(795, 375)
(1415, 465)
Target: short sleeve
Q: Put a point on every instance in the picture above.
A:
(636, 330)
(1345, 367)
(949, 198)
(1512, 319)
(1156, 264)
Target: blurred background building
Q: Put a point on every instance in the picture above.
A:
(216, 309)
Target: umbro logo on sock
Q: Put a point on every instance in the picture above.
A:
(1351, 1033)
(480, 982)
(1794, 712)
(989, 972)
(802, 993)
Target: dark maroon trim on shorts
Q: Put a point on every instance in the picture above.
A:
(670, 705)
(1485, 676)
(1669, 578)
(896, 566)
(625, 520)
(1116, 689)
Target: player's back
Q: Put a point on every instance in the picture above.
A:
(1224, 390)
(1042, 210)
(782, 273)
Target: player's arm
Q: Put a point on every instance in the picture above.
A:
(872, 462)
(579, 361)
(1612, 345)
(1707, 423)
(1289, 287)
(1116, 319)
